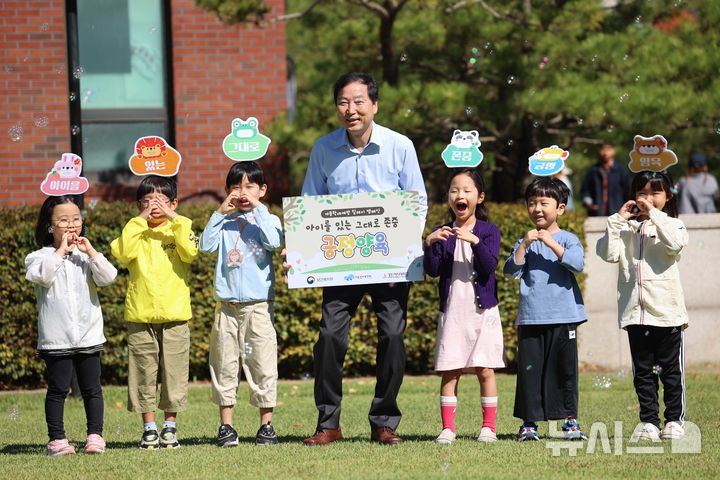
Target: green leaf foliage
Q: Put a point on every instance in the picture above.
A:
(526, 75)
(297, 311)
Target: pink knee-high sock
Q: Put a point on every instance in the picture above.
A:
(489, 411)
(447, 412)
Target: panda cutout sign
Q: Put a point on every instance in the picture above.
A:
(463, 150)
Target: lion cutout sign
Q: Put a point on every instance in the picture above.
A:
(651, 153)
(155, 156)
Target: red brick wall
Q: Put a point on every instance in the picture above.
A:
(33, 79)
(219, 73)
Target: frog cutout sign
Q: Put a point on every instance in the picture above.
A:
(463, 150)
(64, 178)
(155, 156)
(548, 161)
(245, 142)
(651, 153)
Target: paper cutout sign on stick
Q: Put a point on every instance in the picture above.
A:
(463, 150)
(155, 156)
(245, 142)
(651, 153)
(64, 178)
(548, 161)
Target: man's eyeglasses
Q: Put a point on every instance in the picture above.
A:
(67, 222)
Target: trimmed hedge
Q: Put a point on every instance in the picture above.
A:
(297, 311)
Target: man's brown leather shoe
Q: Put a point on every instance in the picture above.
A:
(324, 436)
(385, 436)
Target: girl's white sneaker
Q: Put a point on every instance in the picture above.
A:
(646, 431)
(487, 435)
(446, 437)
(672, 431)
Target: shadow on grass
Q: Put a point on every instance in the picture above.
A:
(23, 449)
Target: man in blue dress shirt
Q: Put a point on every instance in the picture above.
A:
(361, 156)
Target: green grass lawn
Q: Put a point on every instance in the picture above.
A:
(23, 436)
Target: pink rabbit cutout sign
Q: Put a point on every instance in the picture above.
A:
(64, 178)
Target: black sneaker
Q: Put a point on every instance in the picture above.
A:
(266, 435)
(168, 438)
(227, 436)
(150, 440)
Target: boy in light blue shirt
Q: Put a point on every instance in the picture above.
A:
(245, 234)
(546, 261)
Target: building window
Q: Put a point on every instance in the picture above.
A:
(119, 66)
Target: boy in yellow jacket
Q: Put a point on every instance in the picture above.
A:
(157, 248)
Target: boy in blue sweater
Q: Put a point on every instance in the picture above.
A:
(551, 307)
(245, 234)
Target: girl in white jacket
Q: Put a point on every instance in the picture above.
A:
(645, 237)
(65, 272)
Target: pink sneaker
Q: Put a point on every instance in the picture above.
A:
(94, 444)
(56, 448)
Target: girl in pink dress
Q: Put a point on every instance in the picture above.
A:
(464, 254)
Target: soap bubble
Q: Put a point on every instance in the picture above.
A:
(536, 124)
(474, 50)
(580, 120)
(637, 78)
(657, 370)
(403, 57)
(473, 275)
(511, 79)
(44, 27)
(72, 96)
(60, 69)
(602, 382)
(510, 142)
(528, 368)
(445, 466)
(638, 19)
(78, 71)
(487, 45)
(41, 121)
(118, 429)
(87, 94)
(468, 110)
(610, 128)
(153, 29)
(16, 133)
(14, 413)
(306, 376)
(9, 69)
(622, 373)
(75, 129)
(626, 57)
(594, 58)
(647, 333)
(717, 127)
(408, 112)
(247, 350)
(624, 97)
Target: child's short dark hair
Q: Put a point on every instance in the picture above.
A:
(241, 169)
(362, 77)
(154, 183)
(43, 235)
(548, 187)
(659, 181)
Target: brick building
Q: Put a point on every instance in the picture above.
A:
(91, 76)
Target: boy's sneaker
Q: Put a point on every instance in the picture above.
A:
(266, 435)
(94, 444)
(646, 431)
(150, 440)
(528, 432)
(446, 437)
(168, 438)
(571, 430)
(487, 435)
(56, 448)
(672, 431)
(227, 436)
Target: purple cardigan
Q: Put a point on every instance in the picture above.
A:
(438, 261)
